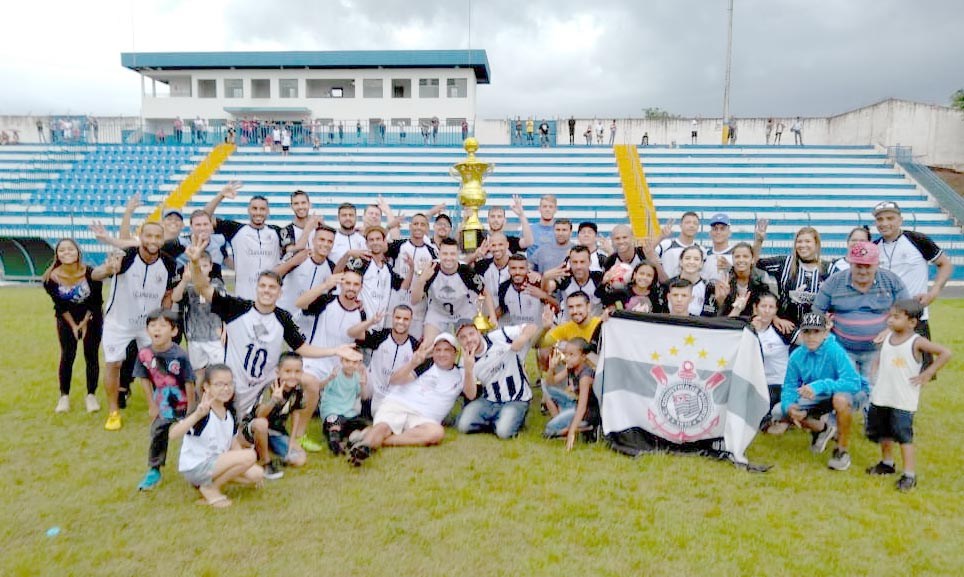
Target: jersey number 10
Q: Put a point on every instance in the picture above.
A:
(254, 361)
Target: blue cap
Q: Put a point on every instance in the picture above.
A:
(720, 218)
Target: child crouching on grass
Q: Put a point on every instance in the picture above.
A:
(168, 380)
(210, 455)
(896, 392)
(340, 406)
(584, 414)
(265, 427)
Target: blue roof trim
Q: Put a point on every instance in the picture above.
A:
(344, 59)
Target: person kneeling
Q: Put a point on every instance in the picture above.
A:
(820, 380)
(421, 394)
(210, 455)
(345, 388)
(265, 427)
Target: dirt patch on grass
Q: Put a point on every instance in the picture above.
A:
(951, 177)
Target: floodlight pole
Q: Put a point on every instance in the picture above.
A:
(726, 74)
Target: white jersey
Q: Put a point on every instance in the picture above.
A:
(387, 356)
(346, 242)
(492, 275)
(209, 438)
(517, 307)
(454, 295)
(910, 257)
(568, 285)
(378, 282)
(255, 250)
(669, 251)
(253, 345)
(711, 266)
(330, 329)
(421, 255)
(776, 355)
(502, 370)
(137, 289)
(300, 279)
(432, 394)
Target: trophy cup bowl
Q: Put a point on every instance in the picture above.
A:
(471, 195)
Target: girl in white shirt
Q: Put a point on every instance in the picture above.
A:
(210, 454)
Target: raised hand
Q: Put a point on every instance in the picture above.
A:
(347, 352)
(760, 231)
(133, 202)
(204, 407)
(197, 247)
(667, 229)
(230, 190)
(277, 390)
(100, 232)
(517, 207)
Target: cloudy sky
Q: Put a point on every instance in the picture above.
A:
(554, 57)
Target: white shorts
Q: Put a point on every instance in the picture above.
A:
(204, 353)
(399, 418)
(321, 368)
(115, 342)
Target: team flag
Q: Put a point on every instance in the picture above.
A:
(686, 380)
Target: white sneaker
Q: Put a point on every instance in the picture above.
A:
(92, 405)
(63, 404)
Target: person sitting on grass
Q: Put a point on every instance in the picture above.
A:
(167, 377)
(345, 388)
(776, 354)
(582, 412)
(896, 392)
(820, 379)
(422, 393)
(265, 427)
(210, 454)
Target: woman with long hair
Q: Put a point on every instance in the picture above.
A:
(798, 275)
(78, 299)
(744, 284)
(641, 294)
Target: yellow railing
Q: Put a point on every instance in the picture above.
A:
(194, 181)
(639, 202)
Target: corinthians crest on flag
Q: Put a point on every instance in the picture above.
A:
(686, 380)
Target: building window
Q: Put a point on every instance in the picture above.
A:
(288, 87)
(207, 89)
(260, 88)
(330, 88)
(456, 88)
(401, 88)
(233, 88)
(428, 87)
(372, 88)
(180, 86)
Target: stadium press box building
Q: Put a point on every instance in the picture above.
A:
(398, 88)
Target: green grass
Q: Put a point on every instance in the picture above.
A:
(473, 506)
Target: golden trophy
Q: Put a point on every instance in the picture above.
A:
(471, 171)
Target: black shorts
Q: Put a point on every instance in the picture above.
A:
(693, 134)
(890, 423)
(285, 148)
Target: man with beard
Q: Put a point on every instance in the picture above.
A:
(520, 301)
(303, 221)
(417, 251)
(143, 279)
(390, 349)
(552, 255)
(258, 246)
(378, 278)
(346, 237)
(334, 318)
(304, 271)
(572, 276)
(496, 223)
(494, 270)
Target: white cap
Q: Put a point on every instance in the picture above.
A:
(447, 337)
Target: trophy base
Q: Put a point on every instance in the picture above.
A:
(471, 239)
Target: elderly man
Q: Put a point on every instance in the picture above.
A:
(909, 254)
(859, 300)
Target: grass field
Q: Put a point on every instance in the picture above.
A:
(473, 506)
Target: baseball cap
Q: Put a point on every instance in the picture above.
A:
(463, 322)
(886, 206)
(720, 218)
(813, 320)
(447, 337)
(863, 253)
(169, 211)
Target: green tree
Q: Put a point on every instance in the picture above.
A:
(656, 113)
(957, 99)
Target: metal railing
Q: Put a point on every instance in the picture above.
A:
(949, 199)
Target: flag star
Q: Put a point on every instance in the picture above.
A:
(721, 362)
(703, 353)
(690, 340)
(654, 356)
(673, 351)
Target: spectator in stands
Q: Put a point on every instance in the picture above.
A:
(40, 132)
(421, 394)
(799, 275)
(860, 300)
(424, 127)
(285, 141)
(719, 258)
(599, 131)
(530, 131)
(77, 298)
(544, 134)
(341, 132)
(435, 125)
(465, 129)
(550, 256)
(572, 130)
(645, 139)
(769, 129)
(543, 232)
(909, 254)
(588, 135)
(94, 128)
(178, 130)
(198, 136)
(797, 130)
(612, 132)
(518, 130)
(731, 133)
(669, 249)
(858, 234)
(694, 131)
(778, 133)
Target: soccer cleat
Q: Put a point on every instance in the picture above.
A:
(92, 405)
(151, 479)
(821, 438)
(881, 468)
(840, 460)
(310, 445)
(63, 404)
(122, 396)
(113, 422)
(906, 483)
(358, 454)
(273, 470)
